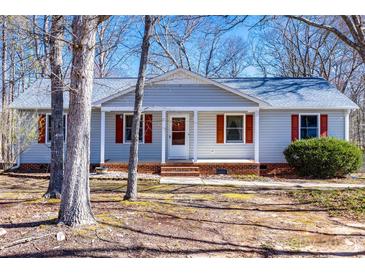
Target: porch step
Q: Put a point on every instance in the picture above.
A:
(180, 170)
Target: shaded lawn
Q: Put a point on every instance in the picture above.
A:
(173, 221)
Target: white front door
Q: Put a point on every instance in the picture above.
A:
(178, 136)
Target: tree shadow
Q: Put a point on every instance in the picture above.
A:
(140, 251)
(172, 216)
(30, 224)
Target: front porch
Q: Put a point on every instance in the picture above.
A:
(185, 135)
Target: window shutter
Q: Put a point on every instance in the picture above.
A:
(294, 127)
(41, 128)
(220, 129)
(324, 125)
(249, 129)
(148, 128)
(119, 129)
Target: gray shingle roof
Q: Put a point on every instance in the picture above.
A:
(277, 92)
(38, 96)
(292, 92)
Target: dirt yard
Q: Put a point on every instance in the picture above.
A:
(174, 221)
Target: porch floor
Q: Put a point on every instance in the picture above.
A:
(226, 161)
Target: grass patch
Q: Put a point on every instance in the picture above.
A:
(250, 177)
(296, 243)
(346, 202)
(238, 196)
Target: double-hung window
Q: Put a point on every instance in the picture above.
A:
(49, 127)
(309, 126)
(128, 128)
(234, 128)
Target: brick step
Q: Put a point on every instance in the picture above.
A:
(179, 168)
(181, 173)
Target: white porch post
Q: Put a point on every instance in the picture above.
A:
(347, 125)
(195, 156)
(163, 138)
(102, 137)
(257, 136)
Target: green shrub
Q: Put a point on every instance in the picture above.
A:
(323, 157)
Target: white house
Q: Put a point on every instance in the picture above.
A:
(193, 125)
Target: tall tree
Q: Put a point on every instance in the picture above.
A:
(3, 61)
(350, 29)
(57, 86)
(131, 193)
(75, 208)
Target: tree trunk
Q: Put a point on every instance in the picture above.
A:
(131, 193)
(55, 43)
(75, 206)
(3, 62)
(3, 86)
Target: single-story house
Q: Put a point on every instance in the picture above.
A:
(195, 125)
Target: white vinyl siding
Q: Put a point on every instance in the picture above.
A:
(182, 96)
(208, 147)
(275, 136)
(119, 152)
(275, 131)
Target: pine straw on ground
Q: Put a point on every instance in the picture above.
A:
(174, 221)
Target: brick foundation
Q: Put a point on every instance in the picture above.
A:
(33, 168)
(232, 168)
(264, 169)
(153, 168)
(274, 169)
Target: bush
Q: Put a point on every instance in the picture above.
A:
(323, 157)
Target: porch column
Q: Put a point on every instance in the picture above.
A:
(347, 125)
(195, 155)
(163, 138)
(257, 136)
(102, 137)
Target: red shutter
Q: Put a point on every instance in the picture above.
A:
(148, 128)
(249, 129)
(41, 128)
(119, 129)
(324, 125)
(220, 129)
(294, 127)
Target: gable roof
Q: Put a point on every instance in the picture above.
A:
(271, 92)
(180, 72)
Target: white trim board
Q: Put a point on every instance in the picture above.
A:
(207, 109)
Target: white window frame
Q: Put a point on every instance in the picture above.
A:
(243, 128)
(48, 142)
(318, 123)
(125, 124)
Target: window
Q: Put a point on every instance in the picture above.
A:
(234, 128)
(128, 128)
(308, 126)
(49, 127)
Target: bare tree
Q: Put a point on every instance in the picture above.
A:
(110, 48)
(57, 123)
(200, 44)
(75, 206)
(3, 84)
(131, 193)
(24, 130)
(291, 48)
(349, 29)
